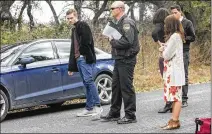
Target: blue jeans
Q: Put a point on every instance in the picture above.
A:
(86, 72)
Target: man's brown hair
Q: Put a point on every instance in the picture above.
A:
(173, 25)
(70, 11)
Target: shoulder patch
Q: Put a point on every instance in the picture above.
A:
(126, 27)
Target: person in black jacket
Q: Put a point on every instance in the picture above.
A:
(189, 37)
(124, 51)
(82, 59)
(158, 37)
(158, 32)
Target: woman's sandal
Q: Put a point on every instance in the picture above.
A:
(171, 125)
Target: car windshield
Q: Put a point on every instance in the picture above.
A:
(8, 54)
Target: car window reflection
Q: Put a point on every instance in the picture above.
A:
(40, 52)
(63, 49)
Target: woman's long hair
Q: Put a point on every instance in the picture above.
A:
(160, 15)
(173, 25)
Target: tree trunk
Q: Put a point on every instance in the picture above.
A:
(131, 6)
(141, 11)
(99, 12)
(29, 9)
(159, 4)
(20, 15)
(54, 12)
(5, 14)
(78, 7)
(5, 10)
(132, 13)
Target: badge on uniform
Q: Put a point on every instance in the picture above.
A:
(126, 27)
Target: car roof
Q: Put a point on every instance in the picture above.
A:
(52, 40)
(8, 46)
(5, 47)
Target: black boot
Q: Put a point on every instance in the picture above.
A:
(168, 107)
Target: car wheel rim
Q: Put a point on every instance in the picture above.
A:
(2, 105)
(104, 87)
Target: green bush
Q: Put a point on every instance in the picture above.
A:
(40, 32)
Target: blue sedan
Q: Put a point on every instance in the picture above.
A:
(36, 73)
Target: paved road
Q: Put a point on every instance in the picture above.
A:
(64, 120)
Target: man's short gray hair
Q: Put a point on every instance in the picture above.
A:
(119, 4)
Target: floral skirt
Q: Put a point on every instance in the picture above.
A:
(171, 93)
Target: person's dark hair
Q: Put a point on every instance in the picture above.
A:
(160, 15)
(175, 7)
(173, 25)
(70, 11)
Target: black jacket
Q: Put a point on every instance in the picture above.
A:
(86, 45)
(158, 33)
(189, 33)
(128, 45)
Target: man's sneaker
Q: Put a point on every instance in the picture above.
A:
(184, 104)
(86, 113)
(98, 110)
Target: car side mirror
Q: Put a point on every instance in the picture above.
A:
(26, 60)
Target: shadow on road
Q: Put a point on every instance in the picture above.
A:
(42, 111)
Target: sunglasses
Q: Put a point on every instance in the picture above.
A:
(70, 18)
(114, 8)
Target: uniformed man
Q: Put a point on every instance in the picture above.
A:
(124, 52)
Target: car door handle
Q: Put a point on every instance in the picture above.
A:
(55, 70)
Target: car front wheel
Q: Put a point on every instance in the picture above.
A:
(4, 105)
(104, 85)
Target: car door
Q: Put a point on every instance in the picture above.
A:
(72, 85)
(42, 77)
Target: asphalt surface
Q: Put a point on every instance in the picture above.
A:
(64, 120)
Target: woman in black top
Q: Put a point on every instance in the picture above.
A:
(158, 32)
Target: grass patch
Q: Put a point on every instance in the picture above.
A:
(147, 76)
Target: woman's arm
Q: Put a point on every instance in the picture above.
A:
(171, 46)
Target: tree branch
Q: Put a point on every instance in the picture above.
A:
(21, 14)
(53, 12)
(99, 12)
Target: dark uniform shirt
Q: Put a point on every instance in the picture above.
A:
(128, 45)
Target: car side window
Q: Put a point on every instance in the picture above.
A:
(40, 52)
(63, 49)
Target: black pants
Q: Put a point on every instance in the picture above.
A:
(186, 64)
(122, 88)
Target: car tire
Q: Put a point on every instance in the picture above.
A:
(4, 105)
(55, 105)
(104, 86)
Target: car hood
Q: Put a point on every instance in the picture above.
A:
(5, 70)
(103, 56)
